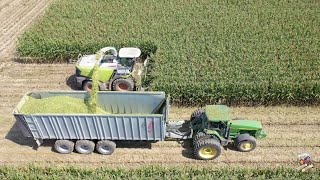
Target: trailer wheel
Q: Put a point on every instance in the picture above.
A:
(87, 86)
(64, 146)
(245, 143)
(105, 147)
(199, 136)
(84, 146)
(195, 116)
(123, 85)
(207, 149)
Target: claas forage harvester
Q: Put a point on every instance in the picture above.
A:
(136, 116)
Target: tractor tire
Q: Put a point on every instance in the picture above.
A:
(87, 86)
(245, 143)
(123, 85)
(105, 147)
(64, 146)
(200, 136)
(207, 149)
(84, 146)
(195, 116)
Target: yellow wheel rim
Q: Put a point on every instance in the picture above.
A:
(246, 146)
(207, 152)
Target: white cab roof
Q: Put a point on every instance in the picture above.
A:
(111, 49)
(129, 52)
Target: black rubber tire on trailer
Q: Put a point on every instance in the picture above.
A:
(105, 147)
(245, 143)
(87, 86)
(84, 146)
(200, 136)
(64, 146)
(207, 149)
(123, 84)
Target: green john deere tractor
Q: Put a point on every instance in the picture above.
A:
(213, 127)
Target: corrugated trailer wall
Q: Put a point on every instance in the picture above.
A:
(130, 127)
(132, 118)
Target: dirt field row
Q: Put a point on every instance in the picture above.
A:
(291, 130)
(15, 16)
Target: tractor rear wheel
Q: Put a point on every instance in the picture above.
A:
(207, 149)
(200, 136)
(123, 84)
(64, 146)
(87, 86)
(195, 116)
(245, 143)
(105, 147)
(84, 146)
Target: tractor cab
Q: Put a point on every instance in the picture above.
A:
(217, 116)
(127, 57)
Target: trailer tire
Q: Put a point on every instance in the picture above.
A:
(245, 143)
(123, 84)
(84, 146)
(207, 149)
(87, 86)
(195, 116)
(199, 136)
(64, 146)
(105, 147)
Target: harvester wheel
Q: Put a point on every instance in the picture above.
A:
(84, 146)
(200, 136)
(207, 149)
(105, 147)
(195, 116)
(64, 146)
(87, 86)
(245, 143)
(123, 84)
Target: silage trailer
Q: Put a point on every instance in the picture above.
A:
(136, 116)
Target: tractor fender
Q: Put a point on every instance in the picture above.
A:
(214, 133)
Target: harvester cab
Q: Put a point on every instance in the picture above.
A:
(213, 127)
(114, 73)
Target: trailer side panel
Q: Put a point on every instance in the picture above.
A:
(112, 127)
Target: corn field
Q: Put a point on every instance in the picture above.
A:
(202, 51)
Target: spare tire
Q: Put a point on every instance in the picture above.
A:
(123, 84)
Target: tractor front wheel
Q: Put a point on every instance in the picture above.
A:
(207, 149)
(123, 84)
(245, 143)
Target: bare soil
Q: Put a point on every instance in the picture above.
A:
(291, 130)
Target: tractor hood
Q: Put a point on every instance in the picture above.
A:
(245, 124)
